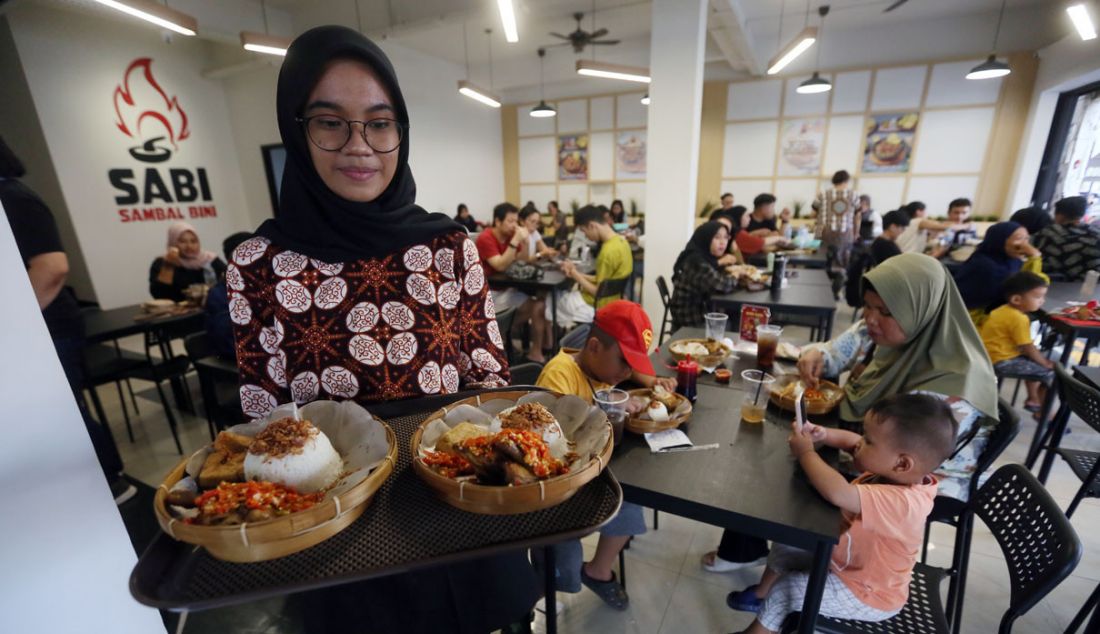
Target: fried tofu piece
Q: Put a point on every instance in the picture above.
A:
(460, 432)
(221, 466)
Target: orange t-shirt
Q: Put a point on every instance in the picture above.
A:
(879, 546)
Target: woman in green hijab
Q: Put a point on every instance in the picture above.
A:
(915, 336)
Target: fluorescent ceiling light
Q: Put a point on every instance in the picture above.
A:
(508, 20)
(1079, 13)
(478, 94)
(263, 43)
(592, 68)
(793, 49)
(158, 14)
(989, 69)
(543, 110)
(645, 99)
(814, 84)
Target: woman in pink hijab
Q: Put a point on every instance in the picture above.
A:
(183, 264)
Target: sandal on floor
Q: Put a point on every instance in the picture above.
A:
(724, 565)
(610, 591)
(1033, 407)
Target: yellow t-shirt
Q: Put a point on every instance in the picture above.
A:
(562, 374)
(1004, 331)
(614, 262)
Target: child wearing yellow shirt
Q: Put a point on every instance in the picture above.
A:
(1007, 337)
(617, 349)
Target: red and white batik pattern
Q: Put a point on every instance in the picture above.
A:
(419, 321)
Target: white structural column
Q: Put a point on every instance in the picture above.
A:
(676, 96)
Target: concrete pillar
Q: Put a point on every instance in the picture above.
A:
(672, 159)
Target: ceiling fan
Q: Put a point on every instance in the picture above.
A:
(894, 5)
(581, 38)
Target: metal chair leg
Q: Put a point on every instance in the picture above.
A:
(125, 413)
(1083, 491)
(1090, 606)
(622, 568)
(924, 546)
(1016, 392)
(960, 561)
(656, 520)
(133, 399)
(171, 417)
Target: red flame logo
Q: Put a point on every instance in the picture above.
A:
(141, 99)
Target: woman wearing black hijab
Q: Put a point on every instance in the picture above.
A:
(1031, 218)
(698, 274)
(355, 292)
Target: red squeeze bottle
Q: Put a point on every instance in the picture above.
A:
(687, 374)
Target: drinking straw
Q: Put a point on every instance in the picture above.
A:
(759, 386)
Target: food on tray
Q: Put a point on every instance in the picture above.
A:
(694, 348)
(787, 350)
(528, 416)
(459, 433)
(510, 457)
(810, 394)
(1088, 312)
(657, 404)
(657, 411)
(294, 453)
(722, 375)
(236, 502)
(663, 396)
(226, 462)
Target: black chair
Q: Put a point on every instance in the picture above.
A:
(218, 381)
(1051, 332)
(526, 373)
(105, 364)
(1084, 401)
(1036, 539)
(1089, 607)
(960, 515)
(666, 297)
(576, 337)
(611, 289)
(505, 319)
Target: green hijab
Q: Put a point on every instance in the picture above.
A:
(943, 354)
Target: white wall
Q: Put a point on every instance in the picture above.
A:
(65, 551)
(73, 64)
(1064, 65)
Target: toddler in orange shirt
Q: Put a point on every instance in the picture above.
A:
(906, 437)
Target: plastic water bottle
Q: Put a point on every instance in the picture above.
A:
(787, 230)
(1088, 287)
(803, 237)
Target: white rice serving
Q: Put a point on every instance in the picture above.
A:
(317, 465)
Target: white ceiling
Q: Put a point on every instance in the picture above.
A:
(856, 32)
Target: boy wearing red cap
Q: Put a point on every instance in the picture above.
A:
(617, 349)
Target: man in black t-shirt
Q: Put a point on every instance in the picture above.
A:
(39, 245)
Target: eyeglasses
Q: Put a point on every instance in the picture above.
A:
(332, 133)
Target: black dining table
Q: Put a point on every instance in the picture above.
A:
(404, 528)
(549, 281)
(795, 300)
(812, 260)
(749, 483)
(1059, 294)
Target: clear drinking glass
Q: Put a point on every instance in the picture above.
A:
(756, 385)
(716, 325)
(613, 403)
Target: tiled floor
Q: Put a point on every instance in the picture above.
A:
(669, 591)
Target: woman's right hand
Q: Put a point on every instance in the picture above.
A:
(811, 363)
(172, 256)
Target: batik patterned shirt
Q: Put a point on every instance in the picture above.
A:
(416, 322)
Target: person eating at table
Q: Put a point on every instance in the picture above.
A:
(1005, 250)
(499, 247)
(742, 242)
(355, 292)
(883, 512)
(535, 248)
(761, 221)
(616, 349)
(183, 264)
(915, 336)
(958, 215)
(699, 272)
(613, 262)
(1070, 248)
(915, 237)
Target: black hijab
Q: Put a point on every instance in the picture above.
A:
(313, 219)
(1032, 218)
(698, 248)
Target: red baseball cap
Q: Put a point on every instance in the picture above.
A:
(630, 326)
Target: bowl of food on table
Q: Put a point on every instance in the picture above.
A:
(749, 277)
(706, 352)
(276, 486)
(820, 400)
(511, 452)
(656, 409)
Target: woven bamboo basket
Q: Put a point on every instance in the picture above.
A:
(833, 395)
(640, 425)
(718, 351)
(283, 535)
(504, 500)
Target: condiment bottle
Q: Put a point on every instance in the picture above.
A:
(687, 374)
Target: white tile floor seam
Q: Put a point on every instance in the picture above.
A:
(670, 592)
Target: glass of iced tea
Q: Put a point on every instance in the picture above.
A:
(767, 340)
(756, 386)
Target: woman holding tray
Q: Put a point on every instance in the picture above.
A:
(355, 292)
(916, 335)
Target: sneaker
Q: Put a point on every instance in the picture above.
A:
(724, 565)
(745, 600)
(122, 491)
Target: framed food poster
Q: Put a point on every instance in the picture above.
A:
(573, 157)
(630, 154)
(889, 148)
(801, 145)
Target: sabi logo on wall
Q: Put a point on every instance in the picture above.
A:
(147, 115)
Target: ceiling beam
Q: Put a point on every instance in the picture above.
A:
(726, 24)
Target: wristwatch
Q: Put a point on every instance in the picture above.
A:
(514, 246)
